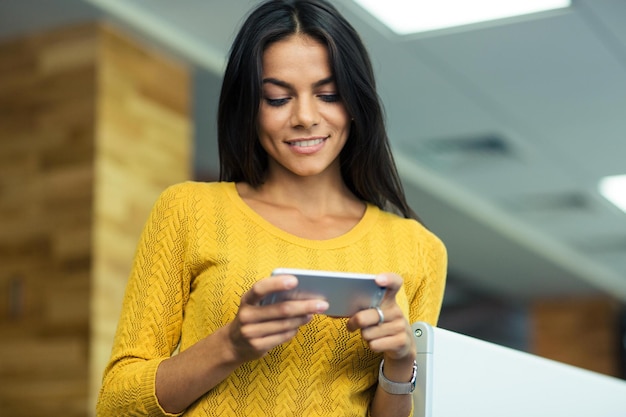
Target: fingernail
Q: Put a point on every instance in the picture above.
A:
(382, 280)
(322, 306)
(290, 282)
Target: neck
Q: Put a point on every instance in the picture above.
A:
(314, 196)
(310, 194)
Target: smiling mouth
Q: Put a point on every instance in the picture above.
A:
(307, 142)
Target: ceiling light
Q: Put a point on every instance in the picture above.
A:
(614, 189)
(412, 16)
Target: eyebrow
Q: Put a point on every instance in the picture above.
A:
(289, 86)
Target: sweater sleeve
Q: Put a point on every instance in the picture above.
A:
(433, 260)
(149, 328)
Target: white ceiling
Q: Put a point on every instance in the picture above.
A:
(501, 131)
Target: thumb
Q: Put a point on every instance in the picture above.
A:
(392, 282)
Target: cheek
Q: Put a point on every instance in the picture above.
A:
(264, 132)
(344, 124)
(267, 133)
(270, 121)
(341, 119)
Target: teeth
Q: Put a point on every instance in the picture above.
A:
(305, 143)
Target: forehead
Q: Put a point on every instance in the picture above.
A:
(296, 56)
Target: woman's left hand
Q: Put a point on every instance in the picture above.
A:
(391, 336)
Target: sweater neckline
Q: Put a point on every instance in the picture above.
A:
(357, 232)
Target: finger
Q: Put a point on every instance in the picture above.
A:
(371, 318)
(393, 338)
(273, 327)
(282, 310)
(257, 346)
(366, 318)
(396, 345)
(392, 282)
(267, 286)
(264, 344)
(386, 329)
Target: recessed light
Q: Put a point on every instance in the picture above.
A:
(613, 188)
(412, 16)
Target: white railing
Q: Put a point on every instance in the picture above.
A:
(459, 376)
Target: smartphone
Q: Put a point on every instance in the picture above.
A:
(345, 292)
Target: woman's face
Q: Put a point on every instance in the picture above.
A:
(302, 122)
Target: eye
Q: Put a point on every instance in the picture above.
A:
(276, 102)
(330, 98)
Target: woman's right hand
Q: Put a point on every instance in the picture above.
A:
(256, 329)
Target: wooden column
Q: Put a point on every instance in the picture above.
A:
(583, 332)
(92, 127)
(143, 144)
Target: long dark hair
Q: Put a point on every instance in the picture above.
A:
(367, 165)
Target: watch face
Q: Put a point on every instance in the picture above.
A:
(414, 376)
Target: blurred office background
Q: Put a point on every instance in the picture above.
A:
(502, 133)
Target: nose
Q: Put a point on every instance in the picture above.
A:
(305, 113)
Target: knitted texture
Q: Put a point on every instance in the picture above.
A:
(202, 248)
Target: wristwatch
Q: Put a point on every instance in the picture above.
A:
(397, 388)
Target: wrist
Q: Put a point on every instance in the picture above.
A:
(399, 368)
(230, 354)
(395, 381)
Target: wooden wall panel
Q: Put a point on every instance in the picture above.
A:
(47, 113)
(583, 332)
(93, 126)
(143, 142)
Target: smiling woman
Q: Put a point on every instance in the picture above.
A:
(307, 182)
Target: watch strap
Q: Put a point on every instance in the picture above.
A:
(397, 388)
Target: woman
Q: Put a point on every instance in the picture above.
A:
(307, 181)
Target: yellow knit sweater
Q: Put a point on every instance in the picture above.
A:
(201, 249)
